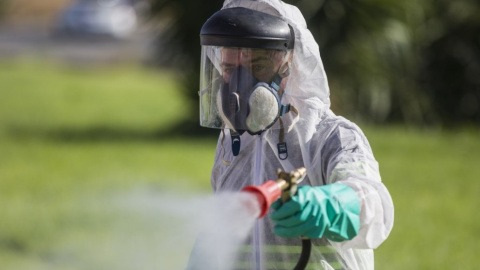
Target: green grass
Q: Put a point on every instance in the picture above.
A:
(74, 142)
(434, 181)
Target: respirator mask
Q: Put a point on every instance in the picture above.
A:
(248, 98)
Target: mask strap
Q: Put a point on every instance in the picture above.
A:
(235, 142)
(275, 84)
(295, 120)
(227, 163)
(284, 109)
(282, 146)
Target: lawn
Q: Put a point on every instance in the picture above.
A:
(87, 155)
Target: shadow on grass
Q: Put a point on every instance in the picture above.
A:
(185, 129)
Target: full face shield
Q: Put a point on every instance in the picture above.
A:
(242, 67)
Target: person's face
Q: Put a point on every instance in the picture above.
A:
(262, 64)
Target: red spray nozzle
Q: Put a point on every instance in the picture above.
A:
(266, 194)
(270, 191)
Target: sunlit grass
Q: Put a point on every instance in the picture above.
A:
(45, 96)
(434, 181)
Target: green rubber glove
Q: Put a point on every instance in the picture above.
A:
(331, 211)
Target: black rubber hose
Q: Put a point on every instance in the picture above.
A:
(305, 255)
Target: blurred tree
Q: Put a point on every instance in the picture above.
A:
(367, 52)
(449, 40)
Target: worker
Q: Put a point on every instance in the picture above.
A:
(264, 85)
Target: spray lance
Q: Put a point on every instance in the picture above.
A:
(285, 187)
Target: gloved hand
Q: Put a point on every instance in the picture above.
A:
(332, 211)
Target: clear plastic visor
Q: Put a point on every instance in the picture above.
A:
(227, 78)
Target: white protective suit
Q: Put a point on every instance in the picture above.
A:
(331, 148)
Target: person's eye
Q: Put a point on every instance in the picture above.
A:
(228, 70)
(257, 68)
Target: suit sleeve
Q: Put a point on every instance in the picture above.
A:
(348, 159)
